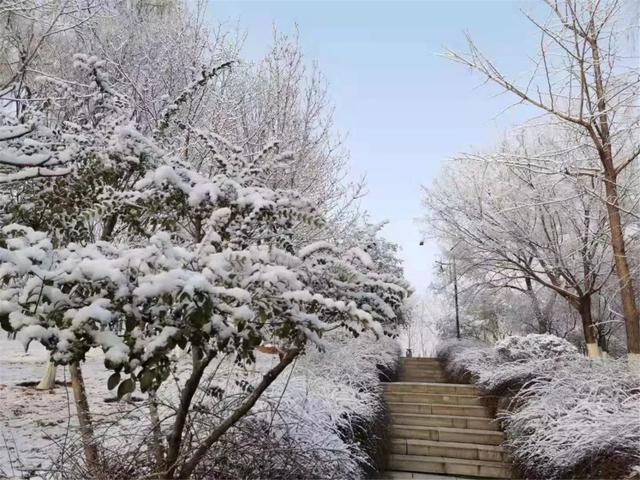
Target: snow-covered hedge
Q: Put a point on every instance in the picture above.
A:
(582, 418)
(534, 346)
(508, 365)
(564, 415)
(465, 359)
(325, 415)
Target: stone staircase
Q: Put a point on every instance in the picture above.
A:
(441, 428)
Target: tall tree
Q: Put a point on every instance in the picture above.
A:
(583, 80)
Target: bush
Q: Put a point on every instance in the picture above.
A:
(520, 359)
(507, 366)
(582, 419)
(323, 418)
(534, 346)
(464, 360)
(565, 416)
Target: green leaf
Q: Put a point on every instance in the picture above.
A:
(5, 324)
(125, 387)
(113, 381)
(146, 380)
(130, 323)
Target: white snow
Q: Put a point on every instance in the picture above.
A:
(563, 410)
(317, 399)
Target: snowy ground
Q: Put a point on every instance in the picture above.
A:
(33, 423)
(36, 425)
(315, 400)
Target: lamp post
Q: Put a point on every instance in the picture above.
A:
(455, 285)
(455, 293)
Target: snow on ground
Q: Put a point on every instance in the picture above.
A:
(324, 392)
(32, 422)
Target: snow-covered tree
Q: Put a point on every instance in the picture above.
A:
(585, 79)
(137, 253)
(279, 96)
(517, 228)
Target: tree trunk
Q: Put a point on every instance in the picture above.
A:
(84, 418)
(174, 443)
(109, 226)
(605, 151)
(629, 306)
(241, 411)
(603, 340)
(48, 381)
(548, 312)
(543, 326)
(588, 327)
(158, 446)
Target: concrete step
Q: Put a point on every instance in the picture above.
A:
(418, 369)
(421, 377)
(447, 434)
(421, 364)
(439, 427)
(438, 409)
(452, 421)
(421, 371)
(430, 398)
(468, 451)
(449, 466)
(426, 378)
(420, 360)
(397, 475)
(430, 387)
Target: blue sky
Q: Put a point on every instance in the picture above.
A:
(405, 110)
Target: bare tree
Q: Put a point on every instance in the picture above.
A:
(583, 80)
(516, 228)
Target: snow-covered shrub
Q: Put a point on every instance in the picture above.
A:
(523, 358)
(464, 360)
(534, 346)
(563, 414)
(582, 418)
(324, 417)
(508, 364)
(137, 253)
(505, 379)
(326, 408)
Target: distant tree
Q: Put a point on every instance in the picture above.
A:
(517, 228)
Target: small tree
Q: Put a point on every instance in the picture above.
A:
(149, 254)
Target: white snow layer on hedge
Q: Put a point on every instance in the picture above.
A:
(566, 410)
(578, 412)
(329, 394)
